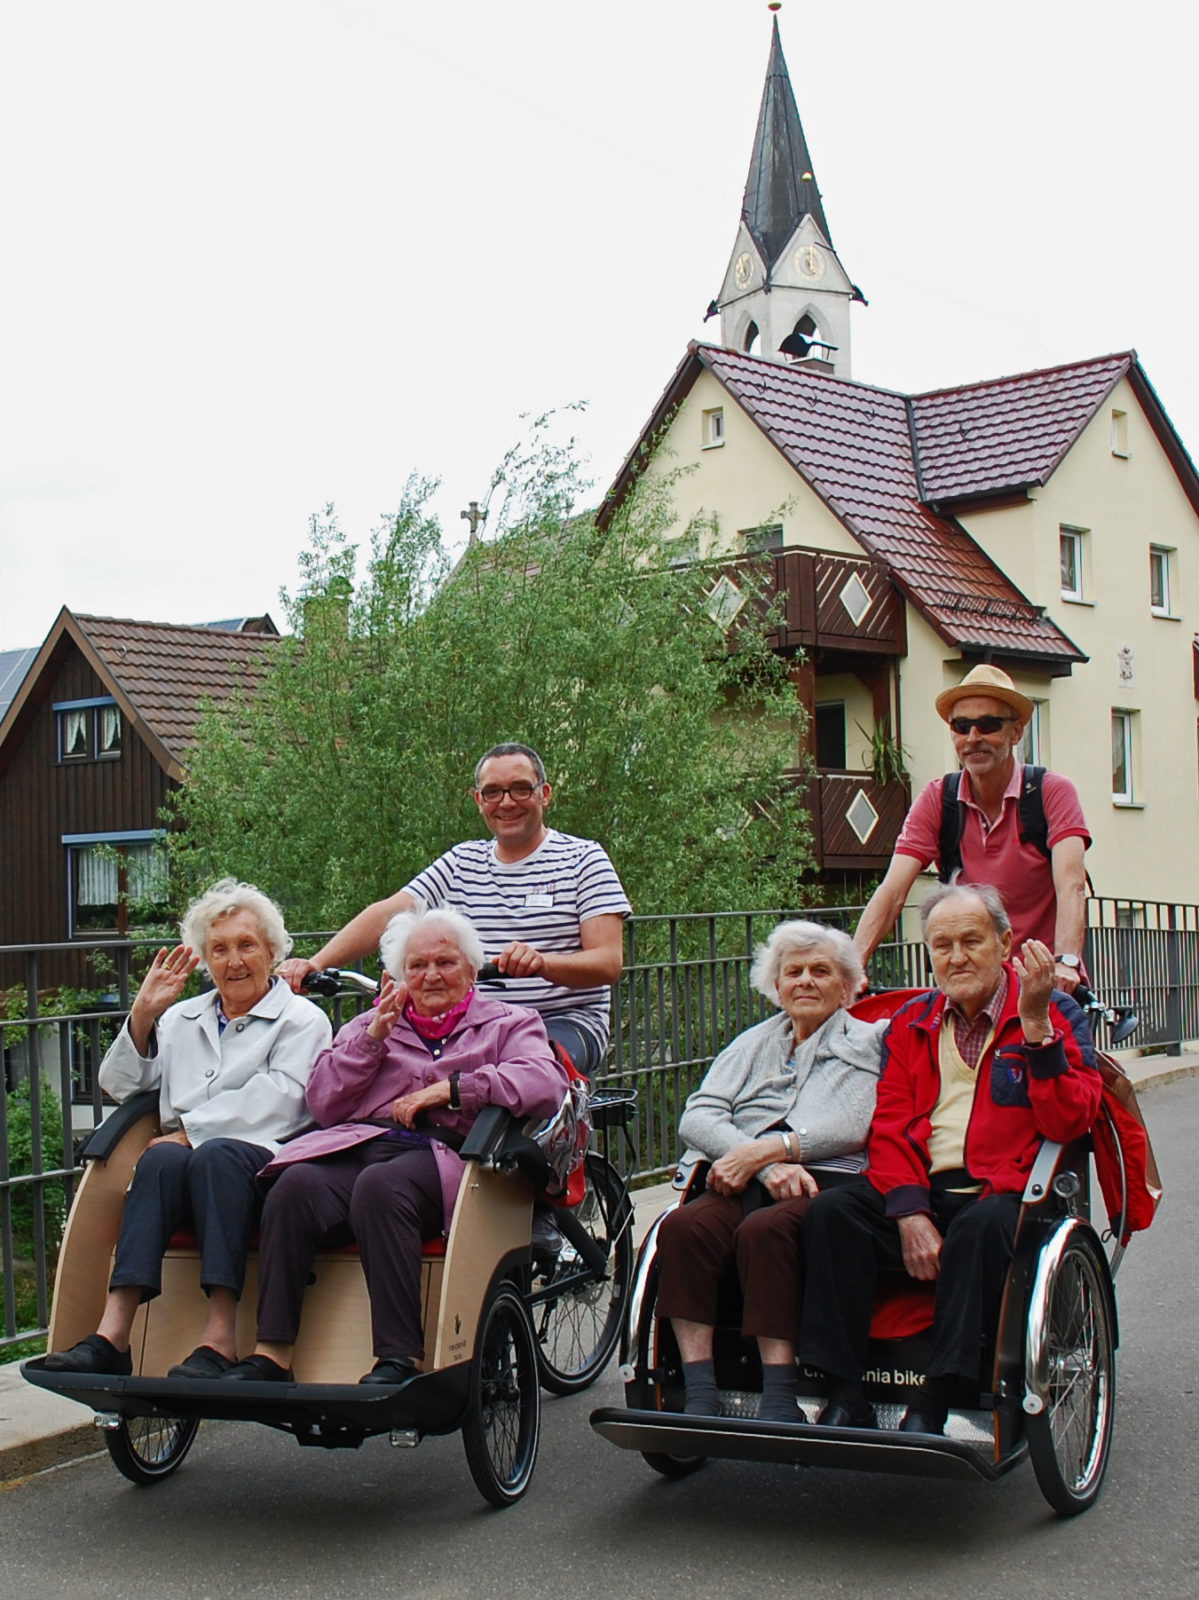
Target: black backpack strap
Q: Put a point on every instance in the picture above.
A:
(1031, 820)
(953, 819)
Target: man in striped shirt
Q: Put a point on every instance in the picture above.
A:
(549, 907)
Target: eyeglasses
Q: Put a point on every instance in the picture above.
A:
(493, 793)
(963, 725)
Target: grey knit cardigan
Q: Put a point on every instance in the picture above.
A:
(823, 1089)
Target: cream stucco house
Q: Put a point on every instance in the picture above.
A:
(1047, 521)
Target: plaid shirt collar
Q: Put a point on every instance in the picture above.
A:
(971, 1036)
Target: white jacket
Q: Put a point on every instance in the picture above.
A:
(247, 1083)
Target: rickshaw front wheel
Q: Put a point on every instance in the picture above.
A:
(148, 1449)
(502, 1424)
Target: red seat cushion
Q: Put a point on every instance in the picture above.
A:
(902, 1310)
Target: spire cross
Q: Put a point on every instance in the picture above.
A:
(474, 516)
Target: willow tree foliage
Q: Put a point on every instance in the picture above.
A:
(664, 738)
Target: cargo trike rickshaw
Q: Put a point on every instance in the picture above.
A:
(526, 1289)
(1047, 1388)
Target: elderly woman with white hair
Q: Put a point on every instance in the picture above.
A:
(432, 1045)
(230, 1067)
(783, 1112)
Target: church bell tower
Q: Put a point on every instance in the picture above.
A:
(785, 294)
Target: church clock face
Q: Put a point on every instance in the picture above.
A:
(809, 261)
(743, 269)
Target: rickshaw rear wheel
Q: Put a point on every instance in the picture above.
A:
(502, 1424)
(578, 1327)
(148, 1449)
(672, 1466)
(1070, 1440)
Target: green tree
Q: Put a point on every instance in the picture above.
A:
(352, 768)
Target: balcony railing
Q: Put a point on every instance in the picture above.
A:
(684, 994)
(829, 601)
(855, 819)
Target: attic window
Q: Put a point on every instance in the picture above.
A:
(89, 729)
(1120, 433)
(713, 428)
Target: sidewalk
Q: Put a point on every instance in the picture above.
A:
(40, 1430)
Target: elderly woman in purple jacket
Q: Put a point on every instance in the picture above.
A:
(433, 1044)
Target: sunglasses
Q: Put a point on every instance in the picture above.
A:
(963, 725)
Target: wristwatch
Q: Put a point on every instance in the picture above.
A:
(1068, 961)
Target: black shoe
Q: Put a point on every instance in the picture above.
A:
(259, 1369)
(204, 1362)
(93, 1355)
(915, 1421)
(838, 1415)
(392, 1369)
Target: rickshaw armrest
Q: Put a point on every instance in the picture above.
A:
(1042, 1174)
(105, 1137)
(486, 1134)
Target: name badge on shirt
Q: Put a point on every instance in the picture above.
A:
(538, 898)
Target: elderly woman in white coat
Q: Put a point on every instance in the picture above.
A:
(783, 1112)
(231, 1067)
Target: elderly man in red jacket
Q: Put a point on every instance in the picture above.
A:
(975, 1074)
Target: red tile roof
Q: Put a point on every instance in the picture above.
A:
(892, 467)
(853, 444)
(987, 438)
(168, 671)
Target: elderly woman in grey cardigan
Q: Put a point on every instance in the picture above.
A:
(782, 1113)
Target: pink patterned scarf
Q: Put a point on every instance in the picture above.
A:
(439, 1027)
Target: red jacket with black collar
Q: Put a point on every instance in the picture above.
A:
(1023, 1094)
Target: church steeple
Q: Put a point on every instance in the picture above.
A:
(780, 190)
(785, 294)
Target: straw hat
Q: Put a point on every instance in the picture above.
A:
(986, 680)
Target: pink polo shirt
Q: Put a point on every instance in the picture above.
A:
(1019, 871)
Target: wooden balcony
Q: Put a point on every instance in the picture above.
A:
(855, 820)
(830, 601)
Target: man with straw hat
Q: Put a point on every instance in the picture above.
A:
(1019, 828)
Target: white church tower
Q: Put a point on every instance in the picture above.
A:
(785, 294)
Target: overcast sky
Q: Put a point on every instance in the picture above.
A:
(258, 255)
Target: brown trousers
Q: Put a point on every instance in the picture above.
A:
(699, 1241)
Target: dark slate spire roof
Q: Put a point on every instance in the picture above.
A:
(777, 194)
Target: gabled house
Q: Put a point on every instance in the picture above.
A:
(1047, 521)
(90, 746)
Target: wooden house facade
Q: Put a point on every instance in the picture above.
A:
(90, 747)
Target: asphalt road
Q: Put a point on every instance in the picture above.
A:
(251, 1514)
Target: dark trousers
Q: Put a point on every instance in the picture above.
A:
(582, 1047)
(211, 1188)
(848, 1238)
(389, 1195)
(697, 1243)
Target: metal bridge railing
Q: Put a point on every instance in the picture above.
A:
(684, 994)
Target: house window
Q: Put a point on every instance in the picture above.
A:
(713, 428)
(116, 881)
(757, 541)
(108, 731)
(1070, 549)
(89, 729)
(74, 735)
(1120, 433)
(1159, 580)
(830, 735)
(1123, 756)
(1030, 749)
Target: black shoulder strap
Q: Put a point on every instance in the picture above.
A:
(953, 818)
(1034, 829)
